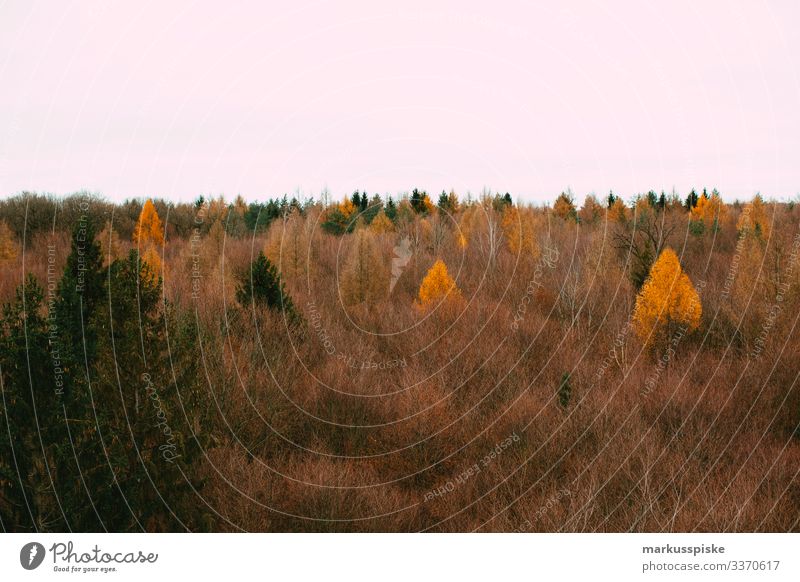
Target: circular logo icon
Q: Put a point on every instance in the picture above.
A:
(31, 555)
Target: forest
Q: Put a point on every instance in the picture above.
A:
(417, 362)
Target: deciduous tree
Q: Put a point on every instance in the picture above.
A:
(438, 286)
(667, 303)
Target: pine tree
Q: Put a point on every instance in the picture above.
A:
(261, 285)
(691, 200)
(667, 302)
(564, 390)
(144, 478)
(81, 293)
(391, 209)
(421, 202)
(31, 420)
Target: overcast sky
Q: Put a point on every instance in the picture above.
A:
(177, 99)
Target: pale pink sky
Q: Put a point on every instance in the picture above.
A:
(176, 99)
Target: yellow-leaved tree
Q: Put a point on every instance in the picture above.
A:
(149, 228)
(149, 238)
(668, 304)
(438, 287)
(710, 211)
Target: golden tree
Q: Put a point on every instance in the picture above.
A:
(346, 207)
(709, 210)
(149, 228)
(438, 286)
(149, 238)
(667, 303)
(8, 246)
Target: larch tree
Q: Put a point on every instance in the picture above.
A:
(708, 212)
(149, 238)
(564, 207)
(364, 277)
(519, 233)
(437, 287)
(754, 221)
(618, 212)
(288, 246)
(667, 304)
(381, 223)
(591, 211)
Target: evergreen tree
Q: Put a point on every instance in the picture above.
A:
(34, 441)
(564, 390)
(691, 200)
(262, 286)
(391, 209)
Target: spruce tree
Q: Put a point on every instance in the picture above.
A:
(261, 285)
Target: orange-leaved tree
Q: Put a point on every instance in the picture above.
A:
(149, 238)
(438, 286)
(668, 303)
(709, 211)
